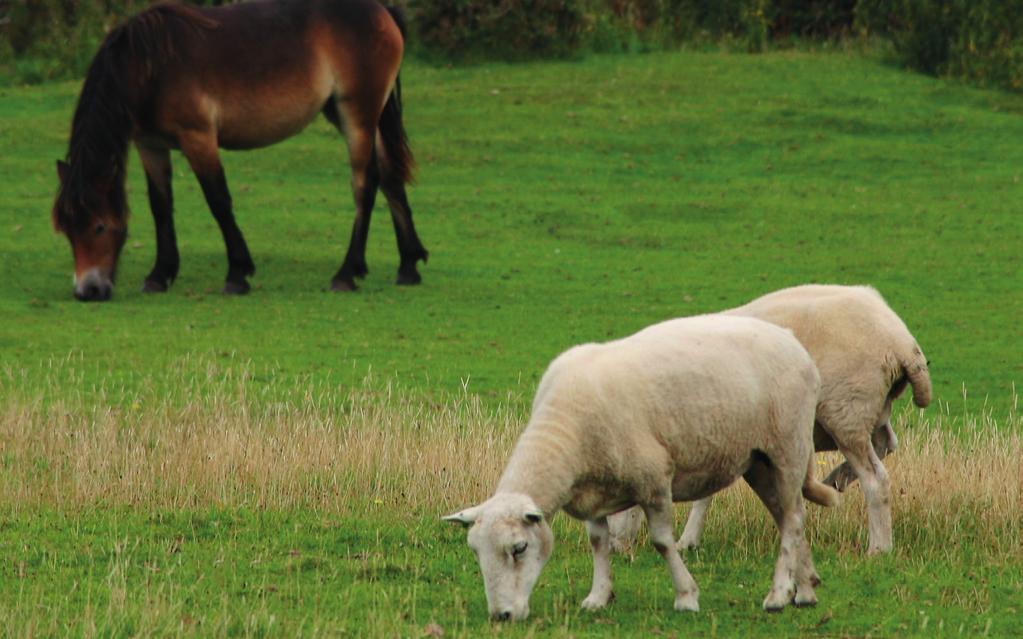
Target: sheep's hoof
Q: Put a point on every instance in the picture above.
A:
(778, 599)
(687, 543)
(878, 549)
(596, 602)
(688, 602)
(805, 598)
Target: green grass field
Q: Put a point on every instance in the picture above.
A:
(561, 203)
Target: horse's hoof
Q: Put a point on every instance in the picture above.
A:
(343, 285)
(154, 286)
(408, 279)
(236, 288)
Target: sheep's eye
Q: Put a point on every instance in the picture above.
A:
(519, 548)
(100, 228)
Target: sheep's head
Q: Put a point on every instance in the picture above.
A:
(512, 541)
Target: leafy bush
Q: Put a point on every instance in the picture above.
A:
(48, 39)
(976, 40)
(513, 29)
(812, 18)
(510, 29)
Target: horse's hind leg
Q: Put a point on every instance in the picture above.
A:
(365, 180)
(157, 165)
(203, 156)
(410, 248)
(395, 160)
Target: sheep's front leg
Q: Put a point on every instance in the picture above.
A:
(659, 525)
(694, 525)
(600, 540)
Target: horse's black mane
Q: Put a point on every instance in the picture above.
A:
(117, 81)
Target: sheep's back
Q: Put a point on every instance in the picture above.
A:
(696, 387)
(854, 337)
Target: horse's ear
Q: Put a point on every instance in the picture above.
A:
(62, 170)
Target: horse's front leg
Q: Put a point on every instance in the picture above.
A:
(204, 157)
(156, 162)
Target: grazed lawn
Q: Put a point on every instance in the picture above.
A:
(237, 516)
(561, 202)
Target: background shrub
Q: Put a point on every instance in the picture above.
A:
(977, 40)
(513, 29)
(508, 29)
(50, 39)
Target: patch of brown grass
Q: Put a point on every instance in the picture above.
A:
(383, 452)
(956, 487)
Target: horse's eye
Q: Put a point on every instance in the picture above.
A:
(100, 228)
(518, 549)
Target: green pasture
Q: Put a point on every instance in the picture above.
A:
(561, 202)
(241, 573)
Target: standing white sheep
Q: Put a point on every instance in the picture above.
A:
(865, 356)
(674, 412)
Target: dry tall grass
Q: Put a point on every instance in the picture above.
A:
(381, 452)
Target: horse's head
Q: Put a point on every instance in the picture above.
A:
(92, 214)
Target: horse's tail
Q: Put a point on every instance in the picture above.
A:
(392, 131)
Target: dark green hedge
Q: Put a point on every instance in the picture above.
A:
(49, 39)
(515, 29)
(978, 40)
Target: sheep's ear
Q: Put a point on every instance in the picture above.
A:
(465, 517)
(533, 516)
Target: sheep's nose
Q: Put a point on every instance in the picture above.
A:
(502, 616)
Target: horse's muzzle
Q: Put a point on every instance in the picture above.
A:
(93, 287)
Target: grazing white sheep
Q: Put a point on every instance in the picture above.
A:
(674, 412)
(865, 356)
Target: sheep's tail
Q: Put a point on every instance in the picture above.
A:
(817, 492)
(914, 365)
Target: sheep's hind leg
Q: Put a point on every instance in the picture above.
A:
(659, 524)
(794, 573)
(694, 524)
(874, 480)
(600, 540)
(624, 527)
(884, 441)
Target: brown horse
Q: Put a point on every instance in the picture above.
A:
(240, 76)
